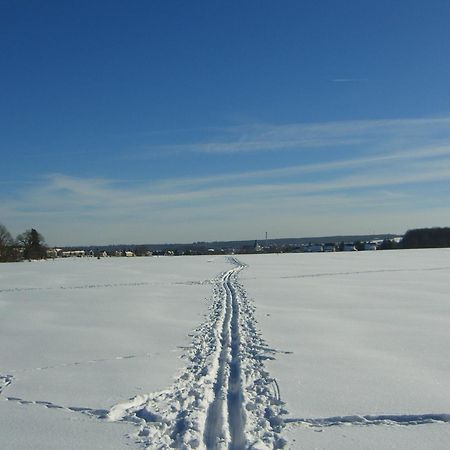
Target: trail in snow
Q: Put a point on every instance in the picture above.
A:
(106, 285)
(215, 431)
(98, 413)
(80, 363)
(225, 418)
(5, 381)
(236, 414)
(224, 399)
(384, 419)
(359, 272)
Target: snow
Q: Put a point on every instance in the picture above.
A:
(364, 333)
(91, 333)
(126, 352)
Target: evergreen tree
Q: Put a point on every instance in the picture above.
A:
(427, 238)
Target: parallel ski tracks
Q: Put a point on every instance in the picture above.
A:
(225, 419)
(224, 399)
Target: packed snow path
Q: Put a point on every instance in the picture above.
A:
(224, 399)
(228, 386)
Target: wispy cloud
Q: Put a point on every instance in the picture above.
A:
(364, 135)
(418, 155)
(94, 196)
(398, 165)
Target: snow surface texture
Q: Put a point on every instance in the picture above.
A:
(87, 334)
(359, 348)
(367, 342)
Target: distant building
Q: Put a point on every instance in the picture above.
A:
(370, 246)
(70, 253)
(258, 247)
(53, 252)
(329, 247)
(349, 247)
(314, 248)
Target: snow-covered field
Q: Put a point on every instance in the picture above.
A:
(367, 334)
(126, 353)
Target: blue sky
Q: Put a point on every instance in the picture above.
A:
(164, 121)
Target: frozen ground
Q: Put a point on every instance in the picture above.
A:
(357, 343)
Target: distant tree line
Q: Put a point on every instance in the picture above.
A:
(31, 244)
(28, 245)
(426, 238)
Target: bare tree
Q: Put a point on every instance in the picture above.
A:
(33, 244)
(5, 236)
(7, 250)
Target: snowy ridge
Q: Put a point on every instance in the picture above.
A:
(224, 399)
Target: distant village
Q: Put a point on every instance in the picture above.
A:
(253, 248)
(30, 245)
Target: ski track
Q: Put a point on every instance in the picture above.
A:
(224, 398)
(225, 418)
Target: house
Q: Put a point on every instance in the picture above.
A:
(314, 248)
(370, 246)
(349, 247)
(329, 247)
(69, 253)
(53, 252)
